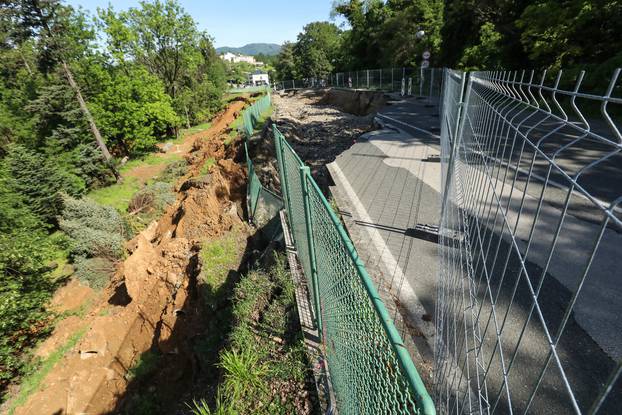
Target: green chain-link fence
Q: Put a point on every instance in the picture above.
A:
(252, 115)
(371, 370)
(262, 204)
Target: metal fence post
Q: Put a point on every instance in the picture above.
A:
(380, 78)
(368, 79)
(305, 173)
(464, 97)
(391, 80)
(278, 142)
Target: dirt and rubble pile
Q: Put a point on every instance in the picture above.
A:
(316, 127)
(152, 293)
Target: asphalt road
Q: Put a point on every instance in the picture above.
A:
(397, 186)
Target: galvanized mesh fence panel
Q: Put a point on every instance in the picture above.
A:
(370, 368)
(528, 307)
(420, 82)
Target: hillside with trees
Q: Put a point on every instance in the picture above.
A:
(70, 110)
(252, 49)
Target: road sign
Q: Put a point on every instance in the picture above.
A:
(426, 55)
(425, 63)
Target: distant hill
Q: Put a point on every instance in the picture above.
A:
(252, 49)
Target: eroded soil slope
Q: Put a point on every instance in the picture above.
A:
(152, 295)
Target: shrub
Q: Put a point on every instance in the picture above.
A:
(174, 171)
(133, 112)
(25, 285)
(94, 272)
(39, 180)
(152, 199)
(96, 230)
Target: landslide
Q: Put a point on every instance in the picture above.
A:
(150, 306)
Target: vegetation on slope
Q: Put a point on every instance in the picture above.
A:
(66, 105)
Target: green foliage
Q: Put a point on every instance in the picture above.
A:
(94, 272)
(207, 165)
(117, 195)
(39, 180)
(133, 112)
(316, 49)
(25, 283)
(164, 39)
(144, 366)
(558, 34)
(96, 230)
(285, 64)
(244, 374)
(486, 53)
(173, 171)
(260, 374)
(237, 72)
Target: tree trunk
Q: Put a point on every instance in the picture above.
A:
(72, 82)
(89, 117)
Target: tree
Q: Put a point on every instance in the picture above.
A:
(162, 37)
(485, 54)
(134, 112)
(61, 33)
(39, 180)
(557, 34)
(285, 65)
(316, 50)
(403, 21)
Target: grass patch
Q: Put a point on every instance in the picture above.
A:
(196, 129)
(32, 381)
(118, 195)
(236, 125)
(207, 165)
(144, 366)
(151, 159)
(264, 366)
(219, 257)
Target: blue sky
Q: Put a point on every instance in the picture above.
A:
(238, 22)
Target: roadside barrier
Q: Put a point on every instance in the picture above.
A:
(371, 371)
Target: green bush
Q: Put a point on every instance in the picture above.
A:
(25, 285)
(174, 171)
(94, 272)
(96, 230)
(134, 112)
(153, 199)
(39, 180)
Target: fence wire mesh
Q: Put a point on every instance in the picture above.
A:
(371, 371)
(420, 82)
(528, 303)
(262, 204)
(252, 115)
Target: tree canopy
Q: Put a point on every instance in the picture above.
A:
(466, 34)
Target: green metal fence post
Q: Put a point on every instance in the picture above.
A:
(305, 173)
(278, 142)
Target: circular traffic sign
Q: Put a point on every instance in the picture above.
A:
(426, 55)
